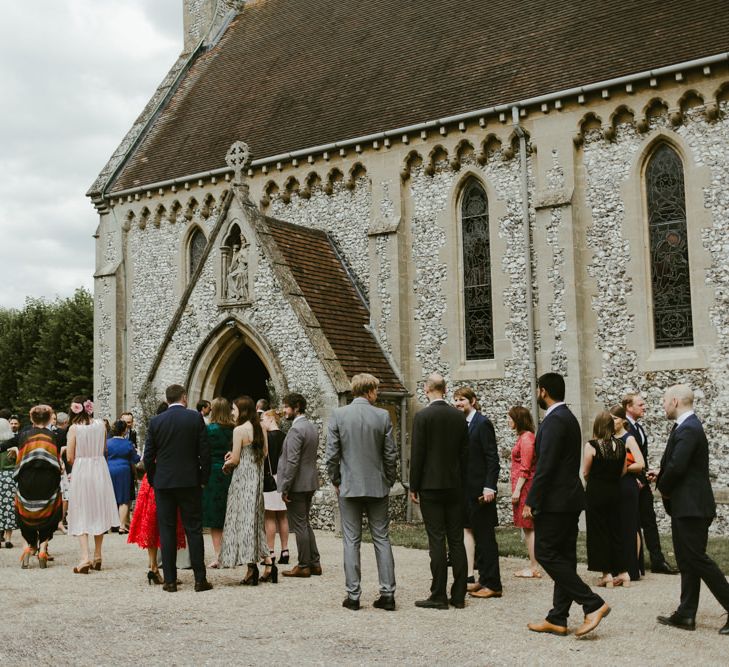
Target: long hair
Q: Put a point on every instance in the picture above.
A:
(220, 412)
(247, 413)
(619, 411)
(522, 419)
(603, 427)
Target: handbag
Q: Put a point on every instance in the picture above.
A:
(269, 481)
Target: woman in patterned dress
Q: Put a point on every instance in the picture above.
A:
(7, 485)
(244, 537)
(523, 465)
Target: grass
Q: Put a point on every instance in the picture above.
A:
(412, 536)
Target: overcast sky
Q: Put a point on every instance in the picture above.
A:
(74, 74)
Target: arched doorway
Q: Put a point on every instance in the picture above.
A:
(234, 360)
(244, 375)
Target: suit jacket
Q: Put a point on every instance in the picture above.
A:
(176, 451)
(439, 448)
(556, 486)
(361, 456)
(297, 471)
(643, 445)
(482, 469)
(684, 475)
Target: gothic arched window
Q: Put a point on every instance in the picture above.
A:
(478, 312)
(670, 278)
(196, 249)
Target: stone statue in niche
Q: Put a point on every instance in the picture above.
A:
(237, 280)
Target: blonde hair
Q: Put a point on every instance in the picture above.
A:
(363, 384)
(220, 412)
(271, 414)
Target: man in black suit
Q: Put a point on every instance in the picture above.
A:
(480, 482)
(634, 406)
(684, 483)
(555, 501)
(440, 442)
(177, 461)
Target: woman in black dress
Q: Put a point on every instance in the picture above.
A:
(603, 466)
(276, 517)
(629, 491)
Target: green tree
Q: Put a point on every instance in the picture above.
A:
(48, 352)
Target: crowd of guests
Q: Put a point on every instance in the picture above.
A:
(229, 467)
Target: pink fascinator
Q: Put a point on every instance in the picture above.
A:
(77, 408)
(89, 407)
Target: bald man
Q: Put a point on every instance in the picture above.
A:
(683, 481)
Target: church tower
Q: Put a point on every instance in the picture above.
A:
(203, 19)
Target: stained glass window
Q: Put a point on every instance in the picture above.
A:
(478, 315)
(670, 276)
(196, 250)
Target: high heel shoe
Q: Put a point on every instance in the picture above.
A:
(283, 559)
(82, 569)
(270, 573)
(622, 580)
(252, 576)
(96, 564)
(43, 560)
(25, 557)
(606, 582)
(154, 578)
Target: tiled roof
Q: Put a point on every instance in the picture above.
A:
(333, 299)
(290, 74)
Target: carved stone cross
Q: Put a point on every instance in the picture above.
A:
(238, 158)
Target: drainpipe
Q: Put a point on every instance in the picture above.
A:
(528, 257)
(404, 472)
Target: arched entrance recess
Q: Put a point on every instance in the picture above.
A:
(232, 361)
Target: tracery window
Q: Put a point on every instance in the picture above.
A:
(478, 311)
(196, 249)
(670, 277)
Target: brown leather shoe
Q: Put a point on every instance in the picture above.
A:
(551, 628)
(473, 587)
(297, 571)
(592, 620)
(315, 570)
(483, 592)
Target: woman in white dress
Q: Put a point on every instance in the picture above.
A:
(244, 537)
(92, 505)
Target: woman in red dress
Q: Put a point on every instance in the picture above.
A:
(523, 465)
(144, 529)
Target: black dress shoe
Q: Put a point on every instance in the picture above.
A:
(458, 604)
(663, 568)
(203, 585)
(349, 603)
(169, 588)
(725, 629)
(676, 621)
(386, 602)
(429, 603)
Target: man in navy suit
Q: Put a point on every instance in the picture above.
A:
(177, 461)
(480, 481)
(440, 441)
(555, 501)
(683, 481)
(634, 406)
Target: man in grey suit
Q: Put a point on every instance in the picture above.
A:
(361, 461)
(298, 479)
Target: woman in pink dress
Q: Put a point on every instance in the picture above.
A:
(523, 465)
(92, 504)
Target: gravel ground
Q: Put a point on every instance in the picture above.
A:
(113, 617)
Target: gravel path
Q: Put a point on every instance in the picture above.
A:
(113, 617)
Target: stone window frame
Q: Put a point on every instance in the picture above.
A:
(454, 349)
(186, 249)
(636, 233)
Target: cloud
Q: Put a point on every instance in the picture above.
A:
(74, 75)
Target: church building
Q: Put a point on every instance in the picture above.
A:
(491, 190)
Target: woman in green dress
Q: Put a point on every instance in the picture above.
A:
(215, 494)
